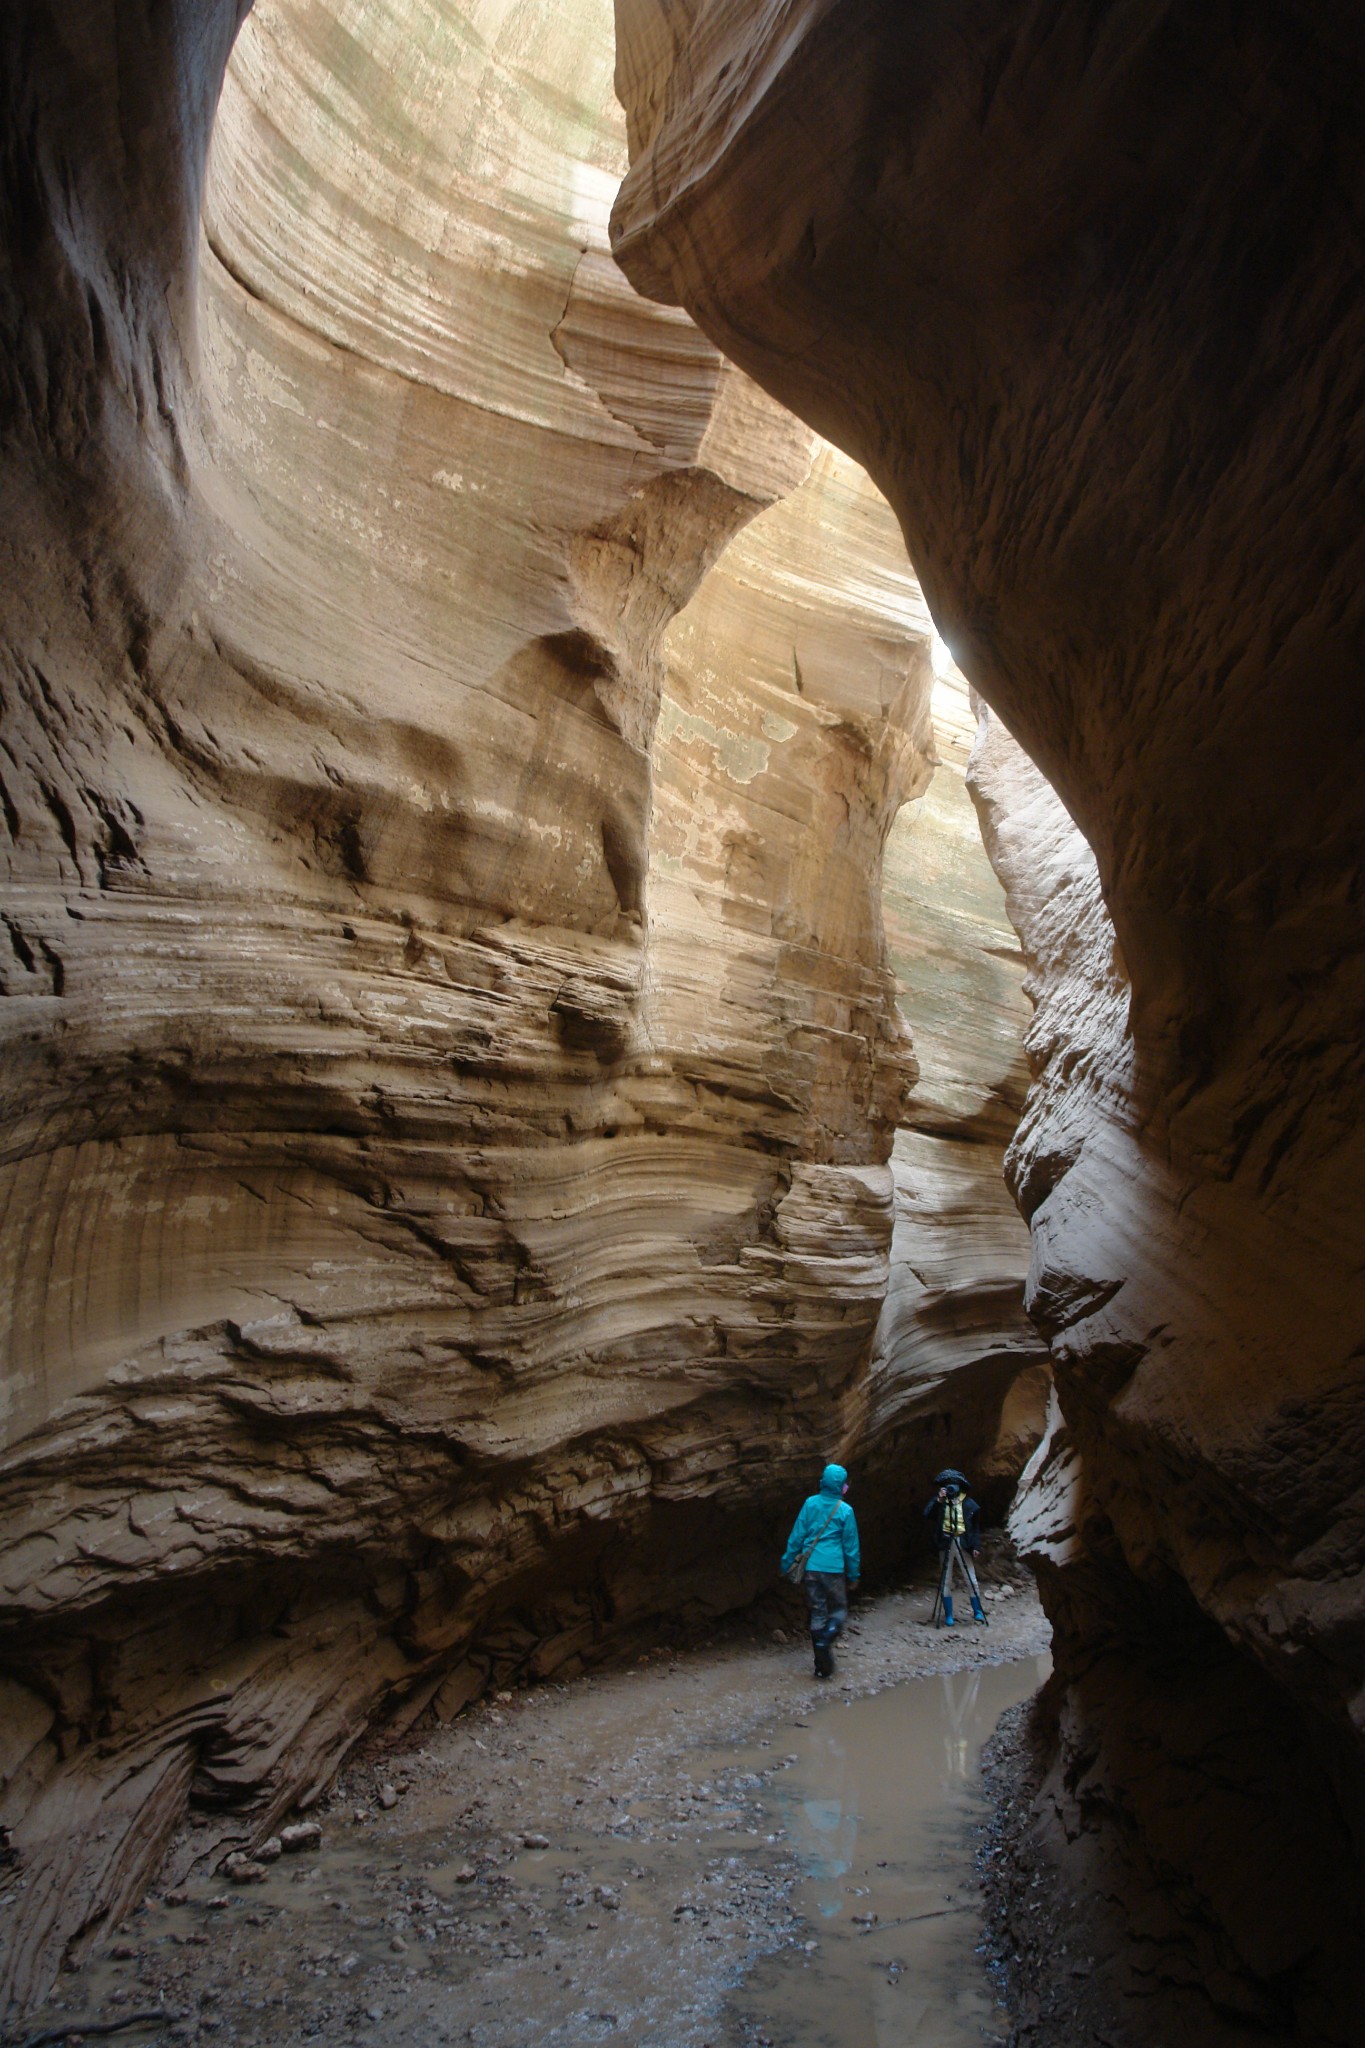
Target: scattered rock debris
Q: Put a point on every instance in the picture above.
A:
(561, 1865)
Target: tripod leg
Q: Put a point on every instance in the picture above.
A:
(978, 1610)
(936, 1616)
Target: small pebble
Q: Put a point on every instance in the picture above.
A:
(304, 1834)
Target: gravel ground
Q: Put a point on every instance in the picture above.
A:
(566, 1865)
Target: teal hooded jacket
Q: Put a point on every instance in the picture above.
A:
(837, 1550)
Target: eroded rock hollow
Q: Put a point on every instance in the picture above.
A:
(1080, 286)
(464, 1158)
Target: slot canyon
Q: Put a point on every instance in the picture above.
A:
(676, 753)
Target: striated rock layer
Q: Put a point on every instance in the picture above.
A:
(1079, 287)
(800, 698)
(451, 722)
(954, 1325)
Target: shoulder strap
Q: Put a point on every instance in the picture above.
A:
(814, 1546)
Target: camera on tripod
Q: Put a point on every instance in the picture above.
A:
(956, 1521)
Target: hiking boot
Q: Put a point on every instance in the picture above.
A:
(979, 1614)
(948, 1610)
(824, 1661)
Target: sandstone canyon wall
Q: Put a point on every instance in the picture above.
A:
(1079, 286)
(792, 680)
(953, 1324)
(450, 725)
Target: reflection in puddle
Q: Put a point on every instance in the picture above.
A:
(876, 1806)
(658, 1885)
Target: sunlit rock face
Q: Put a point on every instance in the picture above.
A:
(1076, 287)
(797, 819)
(953, 1340)
(452, 1057)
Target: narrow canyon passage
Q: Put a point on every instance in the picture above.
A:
(680, 794)
(703, 1847)
(466, 1154)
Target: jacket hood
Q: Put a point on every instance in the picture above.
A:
(833, 1479)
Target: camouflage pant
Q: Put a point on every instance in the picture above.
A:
(827, 1593)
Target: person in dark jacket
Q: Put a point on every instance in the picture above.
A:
(957, 1533)
(825, 1536)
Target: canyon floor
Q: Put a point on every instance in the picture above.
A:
(703, 1847)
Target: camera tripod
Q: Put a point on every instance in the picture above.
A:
(943, 1600)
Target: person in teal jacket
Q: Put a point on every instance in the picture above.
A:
(825, 1536)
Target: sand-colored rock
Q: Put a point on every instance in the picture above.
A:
(806, 859)
(452, 1064)
(953, 1339)
(1089, 319)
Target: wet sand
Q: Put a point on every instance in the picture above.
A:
(682, 1854)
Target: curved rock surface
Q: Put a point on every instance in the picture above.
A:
(797, 823)
(451, 721)
(953, 1340)
(1079, 287)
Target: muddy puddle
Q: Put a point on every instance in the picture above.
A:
(684, 1854)
(877, 1809)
